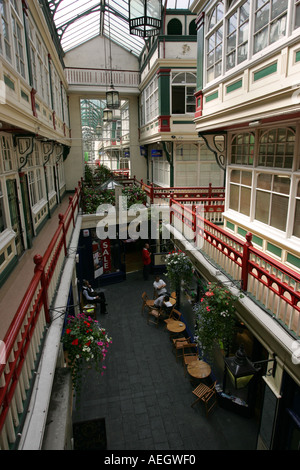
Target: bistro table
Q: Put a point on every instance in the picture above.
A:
(199, 369)
(176, 326)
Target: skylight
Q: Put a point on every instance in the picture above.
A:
(77, 21)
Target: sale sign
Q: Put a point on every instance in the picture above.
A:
(106, 255)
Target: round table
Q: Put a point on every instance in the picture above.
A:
(199, 369)
(175, 326)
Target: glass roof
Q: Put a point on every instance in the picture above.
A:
(77, 21)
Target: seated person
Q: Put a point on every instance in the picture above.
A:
(162, 302)
(159, 286)
(91, 295)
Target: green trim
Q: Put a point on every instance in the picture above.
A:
(274, 249)
(292, 259)
(212, 96)
(180, 38)
(9, 82)
(242, 231)
(183, 122)
(297, 59)
(272, 68)
(230, 225)
(24, 96)
(164, 94)
(234, 86)
(258, 241)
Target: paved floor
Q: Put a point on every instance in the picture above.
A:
(143, 395)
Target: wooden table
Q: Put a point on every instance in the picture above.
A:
(199, 369)
(175, 326)
(172, 301)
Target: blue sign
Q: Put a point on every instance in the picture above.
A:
(156, 153)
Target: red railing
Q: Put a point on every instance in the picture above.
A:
(24, 336)
(271, 283)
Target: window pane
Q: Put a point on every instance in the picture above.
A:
(262, 17)
(246, 178)
(278, 29)
(281, 184)
(279, 211)
(234, 197)
(245, 200)
(264, 181)
(278, 7)
(178, 100)
(235, 176)
(262, 206)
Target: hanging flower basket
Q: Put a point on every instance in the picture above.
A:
(179, 269)
(215, 319)
(86, 345)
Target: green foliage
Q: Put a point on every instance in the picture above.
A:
(102, 174)
(86, 344)
(179, 269)
(91, 198)
(215, 319)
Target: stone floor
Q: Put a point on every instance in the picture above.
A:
(144, 395)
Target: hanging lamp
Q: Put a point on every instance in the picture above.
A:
(112, 96)
(145, 17)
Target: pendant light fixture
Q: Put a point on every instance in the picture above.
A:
(112, 96)
(145, 17)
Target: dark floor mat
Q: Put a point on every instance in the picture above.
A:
(90, 435)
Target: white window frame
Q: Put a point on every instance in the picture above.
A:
(186, 84)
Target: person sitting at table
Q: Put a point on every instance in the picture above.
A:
(92, 296)
(162, 302)
(159, 286)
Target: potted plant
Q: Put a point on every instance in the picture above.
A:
(179, 271)
(86, 345)
(215, 319)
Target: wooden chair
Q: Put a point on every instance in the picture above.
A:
(154, 316)
(149, 303)
(174, 315)
(207, 394)
(189, 357)
(179, 345)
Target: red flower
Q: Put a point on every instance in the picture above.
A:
(75, 342)
(88, 343)
(68, 331)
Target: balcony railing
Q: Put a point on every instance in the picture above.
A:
(23, 340)
(102, 77)
(273, 285)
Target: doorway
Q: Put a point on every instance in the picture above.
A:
(14, 208)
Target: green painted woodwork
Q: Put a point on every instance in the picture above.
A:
(272, 68)
(234, 86)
